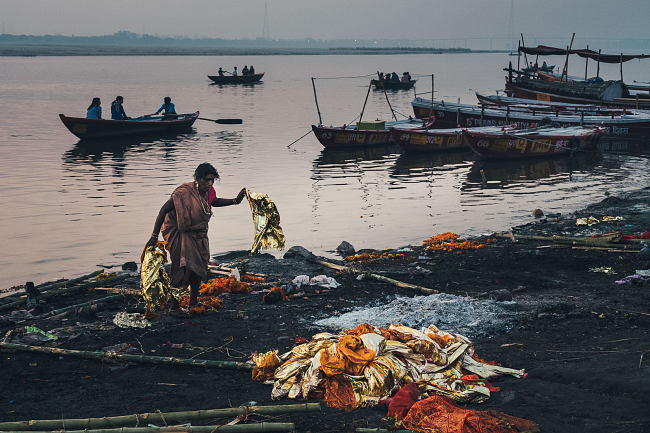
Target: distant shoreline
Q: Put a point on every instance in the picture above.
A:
(53, 50)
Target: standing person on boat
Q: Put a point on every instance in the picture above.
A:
(184, 223)
(167, 107)
(94, 109)
(234, 72)
(220, 71)
(381, 76)
(251, 70)
(245, 70)
(117, 110)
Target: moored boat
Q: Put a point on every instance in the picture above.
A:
(427, 140)
(632, 123)
(392, 84)
(534, 142)
(239, 79)
(362, 134)
(105, 128)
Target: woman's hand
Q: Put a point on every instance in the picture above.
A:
(152, 241)
(240, 196)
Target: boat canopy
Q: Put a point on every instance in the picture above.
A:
(544, 50)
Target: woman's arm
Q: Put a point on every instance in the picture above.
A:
(219, 202)
(168, 206)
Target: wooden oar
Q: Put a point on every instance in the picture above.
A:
(224, 121)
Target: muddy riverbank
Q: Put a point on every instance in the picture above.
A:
(556, 311)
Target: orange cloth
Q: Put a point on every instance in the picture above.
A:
(402, 402)
(349, 355)
(364, 328)
(265, 365)
(438, 414)
(337, 392)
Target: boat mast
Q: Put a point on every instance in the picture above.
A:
(320, 120)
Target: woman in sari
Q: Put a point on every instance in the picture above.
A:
(184, 223)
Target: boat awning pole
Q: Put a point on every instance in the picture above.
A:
(518, 56)
(586, 63)
(598, 66)
(432, 86)
(320, 120)
(390, 106)
(621, 66)
(364, 103)
(523, 44)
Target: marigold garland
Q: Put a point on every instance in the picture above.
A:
(212, 302)
(224, 285)
(252, 279)
(448, 242)
(364, 257)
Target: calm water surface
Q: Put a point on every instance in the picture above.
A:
(66, 207)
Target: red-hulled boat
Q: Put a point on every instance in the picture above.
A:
(428, 140)
(105, 128)
(543, 141)
(363, 134)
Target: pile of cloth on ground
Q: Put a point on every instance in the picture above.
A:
(364, 365)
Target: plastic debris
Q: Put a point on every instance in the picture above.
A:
(154, 281)
(35, 330)
(318, 280)
(131, 320)
(634, 279)
(643, 272)
(587, 221)
(603, 270)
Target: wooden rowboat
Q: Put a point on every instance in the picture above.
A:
(392, 85)
(104, 128)
(543, 141)
(429, 140)
(239, 79)
(364, 134)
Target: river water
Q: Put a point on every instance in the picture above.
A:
(66, 207)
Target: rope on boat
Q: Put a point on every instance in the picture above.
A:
(295, 141)
(336, 78)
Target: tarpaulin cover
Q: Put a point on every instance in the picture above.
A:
(154, 281)
(368, 362)
(438, 414)
(544, 50)
(266, 218)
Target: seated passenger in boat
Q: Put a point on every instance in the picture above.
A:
(251, 70)
(117, 110)
(405, 78)
(234, 72)
(394, 77)
(167, 107)
(381, 76)
(220, 71)
(245, 70)
(94, 109)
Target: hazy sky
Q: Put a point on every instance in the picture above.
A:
(331, 19)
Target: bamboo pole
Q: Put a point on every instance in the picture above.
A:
(134, 292)
(46, 290)
(602, 241)
(145, 359)
(586, 63)
(155, 417)
(381, 278)
(320, 120)
(523, 44)
(389, 106)
(256, 427)
(364, 104)
(49, 286)
(598, 65)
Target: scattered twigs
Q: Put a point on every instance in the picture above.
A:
(154, 417)
(50, 286)
(109, 356)
(605, 243)
(256, 427)
(381, 430)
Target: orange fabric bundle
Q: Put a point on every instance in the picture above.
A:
(393, 334)
(224, 285)
(364, 328)
(337, 392)
(276, 294)
(348, 355)
(265, 365)
(438, 414)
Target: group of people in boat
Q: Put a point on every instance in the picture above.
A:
(117, 108)
(245, 71)
(406, 77)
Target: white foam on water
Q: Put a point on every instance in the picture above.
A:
(464, 315)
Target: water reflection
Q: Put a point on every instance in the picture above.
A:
(412, 167)
(508, 173)
(339, 162)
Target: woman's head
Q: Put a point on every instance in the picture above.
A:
(205, 175)
(95, 103)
